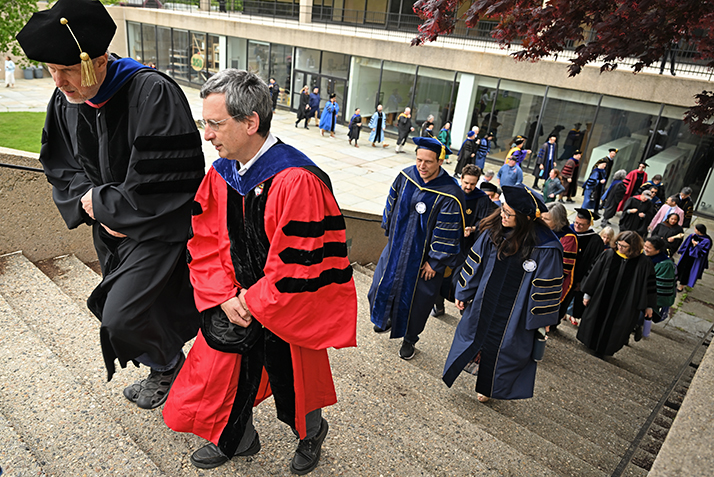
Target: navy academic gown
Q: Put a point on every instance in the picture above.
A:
(424, 222)
(501, 319)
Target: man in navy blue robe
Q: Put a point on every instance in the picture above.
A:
(424, 221)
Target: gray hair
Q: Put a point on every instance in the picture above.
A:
(558, 214)
(686, 190)
(619, 175)
(489, 173)
(245, 94)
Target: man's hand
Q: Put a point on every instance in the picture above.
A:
(648, 313)
(87, 204)
(570, 180)
(469, 230)
(642, 215)
(236, 311)
(541, 167)
(632, 211)
(113, 233)
(460, 304)
(586, 301)
(427, 273)
(671, 239)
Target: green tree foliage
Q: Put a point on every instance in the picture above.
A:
(13, 16)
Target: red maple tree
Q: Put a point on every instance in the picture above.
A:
(608, 31)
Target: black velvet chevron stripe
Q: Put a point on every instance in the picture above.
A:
(572, 255)
(328, 277)
(312, 257)
(548, 282)
(554, 295)
(297, 228)
(166, 187)
(545, 310)
(177, 164)
(474, 256)
(168, 143)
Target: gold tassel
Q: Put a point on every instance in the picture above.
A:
(89, 77)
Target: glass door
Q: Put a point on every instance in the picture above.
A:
(333, 85)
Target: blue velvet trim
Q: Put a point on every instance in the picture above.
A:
(118, 72)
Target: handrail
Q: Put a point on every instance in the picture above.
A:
(627, 457)
(22, 168)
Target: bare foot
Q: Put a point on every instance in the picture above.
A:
(481, 397)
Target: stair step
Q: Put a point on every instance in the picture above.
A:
(16, 458)
(72, 276)
(61, 422)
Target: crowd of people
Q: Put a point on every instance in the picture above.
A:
(250, 258)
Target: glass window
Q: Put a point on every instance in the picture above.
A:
(237, 49)
(353, 10)
(335, 64)
(199, 58)
(281, 63)
(568, 114)
(307, 59)
(376, 12)
(433, 96)
(133, 31)
(149, 43)
(258, 58)
(470, 101)
(180, 55)
(512, 113)
(213, 54)
(303, 79)
(623, 124)
(163, 53)
(364, 85)
(396, 93)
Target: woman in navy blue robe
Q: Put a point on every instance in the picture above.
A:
(594, 186)
(501, 321)
(695, 257)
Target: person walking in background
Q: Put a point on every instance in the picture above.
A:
(610, 161)
(633, 181)
(613, 196)
(423, 220)
(274, 92)
(354, 127)
(510, 173)
(621, 284)
(303, 112)
(404, 127)
(553, 186)
(638, 213)
(9, 73)
(314, 106)
(518, 153)
(594, 186)
(467, 153)
(545, 160)
(694, 257)
(378, 123)
(684, 201)
(570, 172)
(671, 232)
(501, 322)
(328, 120)
(670, 207)
(484, 147)
(666, 274)
(426, 125)
(444, 138)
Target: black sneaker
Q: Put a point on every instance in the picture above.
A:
(307, 454)
(638, 333)
(377, 329)
(436, 311)
(155, 388)
(407, 350)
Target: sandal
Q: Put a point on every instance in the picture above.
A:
(482, 397)
(155, 389)
(573, 321)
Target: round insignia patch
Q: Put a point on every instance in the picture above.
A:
(530, 265)
(420, 207)
(258, 190)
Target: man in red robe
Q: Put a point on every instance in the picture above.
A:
(268, 246)
(632, 182)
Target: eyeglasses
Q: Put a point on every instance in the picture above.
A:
(214, 125)
(622, 244)
(507, 214)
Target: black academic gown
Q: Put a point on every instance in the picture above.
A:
(590, 247)
(140, 153)
(620, 289)
(633, 221)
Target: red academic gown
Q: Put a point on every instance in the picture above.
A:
(310, 322)
(630, 189)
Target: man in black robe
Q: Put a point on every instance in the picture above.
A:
(404, 127)
(123, 155)
(684, 201)
(467, 153)
(589, 249)
(610, 160)
(637, 213)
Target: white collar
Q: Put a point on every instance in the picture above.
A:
(270, 141)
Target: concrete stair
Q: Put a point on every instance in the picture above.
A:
(59, 416)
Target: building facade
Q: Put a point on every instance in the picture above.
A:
(360, 51)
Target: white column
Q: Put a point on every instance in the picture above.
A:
(223, 58)
(305, 11)
(463, 109)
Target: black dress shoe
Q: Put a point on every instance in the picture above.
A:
(407, 350)
(307, 454)
(209, 457)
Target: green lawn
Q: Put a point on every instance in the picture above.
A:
(21, 131)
